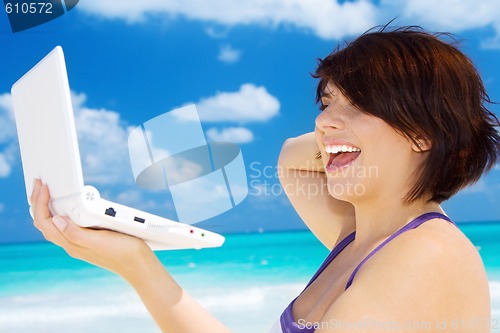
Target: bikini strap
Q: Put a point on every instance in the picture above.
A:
(411, 225)
(334, 253)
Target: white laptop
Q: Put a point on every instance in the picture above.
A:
(49, 151)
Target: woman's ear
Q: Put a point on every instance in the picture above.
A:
(420, 144)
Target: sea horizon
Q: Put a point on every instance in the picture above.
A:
(250, 232)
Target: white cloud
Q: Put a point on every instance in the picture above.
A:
(180, 169)
(78, 100)
(135, 198)
(4, 166)
(212, 197)
(216, 32)
(229, 55)
(447, 15)
(249, 104)
(493, 42)
(102, 137)
(230, 134)
(7, 124)
(7, 135)
(326, 18)
(264, 196)
(454, 15)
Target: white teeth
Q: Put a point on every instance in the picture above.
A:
(341, 148)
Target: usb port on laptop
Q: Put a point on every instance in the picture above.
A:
(139, 219)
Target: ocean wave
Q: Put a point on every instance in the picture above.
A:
(234, 299)
(116, 308)
(495, 298)
(120, 309)
(68, 307)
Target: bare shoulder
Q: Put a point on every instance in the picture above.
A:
(432, 273)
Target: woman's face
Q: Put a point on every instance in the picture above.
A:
(363, 156)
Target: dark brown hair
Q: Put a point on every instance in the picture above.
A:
(424, 88)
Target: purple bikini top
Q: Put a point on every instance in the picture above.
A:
(288, 323)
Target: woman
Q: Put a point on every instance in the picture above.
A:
(403, 127)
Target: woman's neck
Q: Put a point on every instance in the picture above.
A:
(378, 220)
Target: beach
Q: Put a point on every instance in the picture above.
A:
(246, 283)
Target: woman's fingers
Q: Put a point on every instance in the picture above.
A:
(36, 188)
(42, 218)
(58, 229)
(104, 248)
(41, 205)
(32, 197)
(75, 234)
(74, 239)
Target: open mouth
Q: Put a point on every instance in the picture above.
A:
(340, 156)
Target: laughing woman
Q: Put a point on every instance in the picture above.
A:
(403, 127)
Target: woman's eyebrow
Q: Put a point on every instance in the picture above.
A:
(327, 95)
(327, 92)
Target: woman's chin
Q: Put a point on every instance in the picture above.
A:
(345, 189)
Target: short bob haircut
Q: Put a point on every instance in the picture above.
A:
(424, 88)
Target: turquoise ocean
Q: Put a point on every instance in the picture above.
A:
(246, 283)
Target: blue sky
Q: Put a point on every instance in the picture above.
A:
(129, 61)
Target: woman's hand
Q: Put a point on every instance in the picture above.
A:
(303, 179)
(171, 307)
(111, 250)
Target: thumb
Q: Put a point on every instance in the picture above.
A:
(60, 222)
(71, 232)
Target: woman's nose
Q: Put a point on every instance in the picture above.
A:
(328, 120)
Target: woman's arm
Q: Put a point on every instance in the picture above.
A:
(171, 307)
(303, 178)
